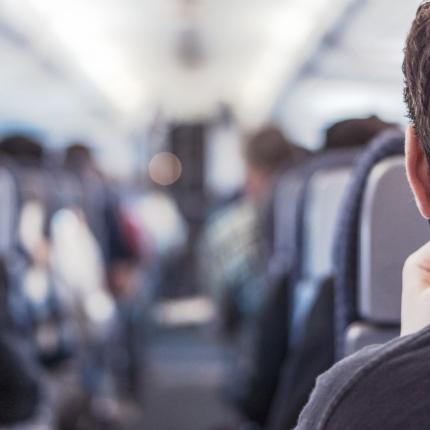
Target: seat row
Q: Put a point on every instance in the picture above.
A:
(58, 318)
(340, 244)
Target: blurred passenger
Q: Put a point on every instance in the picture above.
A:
(110, 224)
(256, 380)
(354, 132)
(22, 149)
(265, 152)
(118, 236)
(384, 386)
(234, 247)
(27, 317)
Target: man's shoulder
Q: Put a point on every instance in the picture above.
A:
(334, 386)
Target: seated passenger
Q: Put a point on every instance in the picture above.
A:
(234, 247)
(386, 387)
(21, 384)
(22, 149)
(260, 379)
(106, 219)
(354, 133)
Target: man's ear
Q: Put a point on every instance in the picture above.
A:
(418, 171)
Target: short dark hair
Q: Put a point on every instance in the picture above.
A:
(22, 149)
(416, 69)
(268, 148)
(354, 132)
(77, 156)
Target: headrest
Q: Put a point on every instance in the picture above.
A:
(361, 334)
(323, 201)
(285, 208)
(391, 229)
(389, 144)
(290, 200)
(8, 204)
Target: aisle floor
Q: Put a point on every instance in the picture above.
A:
(185, 371)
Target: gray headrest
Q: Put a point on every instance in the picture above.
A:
(361, 334)
(325, 195)
(8, 212)
(391, 229)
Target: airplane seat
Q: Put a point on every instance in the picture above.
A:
(8, 214)
(285, 206)
(252, 386)
(323, 201)
(284, 189)
(289, 203)
(274, 324)
(330, 160)
(310, 336)
(391, 229)
(352, 302)
(20, 395)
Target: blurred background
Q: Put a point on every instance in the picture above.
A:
(139, 144)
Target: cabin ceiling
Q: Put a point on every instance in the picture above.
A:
(106, 68)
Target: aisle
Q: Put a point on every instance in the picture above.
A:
(185, 372)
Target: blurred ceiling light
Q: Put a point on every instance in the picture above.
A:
(87, 32)
(165, 168)
(295, 30)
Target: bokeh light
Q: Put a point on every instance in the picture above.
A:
(165, 168)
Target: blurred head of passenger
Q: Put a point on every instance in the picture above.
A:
(22, 149)
(265, 152)
(79, 157)
(355, 132)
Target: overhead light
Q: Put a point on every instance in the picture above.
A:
(83, 29)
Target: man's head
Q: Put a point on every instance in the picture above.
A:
(22, 149)
(265, 152)
(354, 132)
(78, 157)
(416, 69)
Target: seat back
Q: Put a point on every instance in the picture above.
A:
(8, 212)
(285, 207)
(323, 200)
(391, 229)
(311, 332)
(348, 233)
